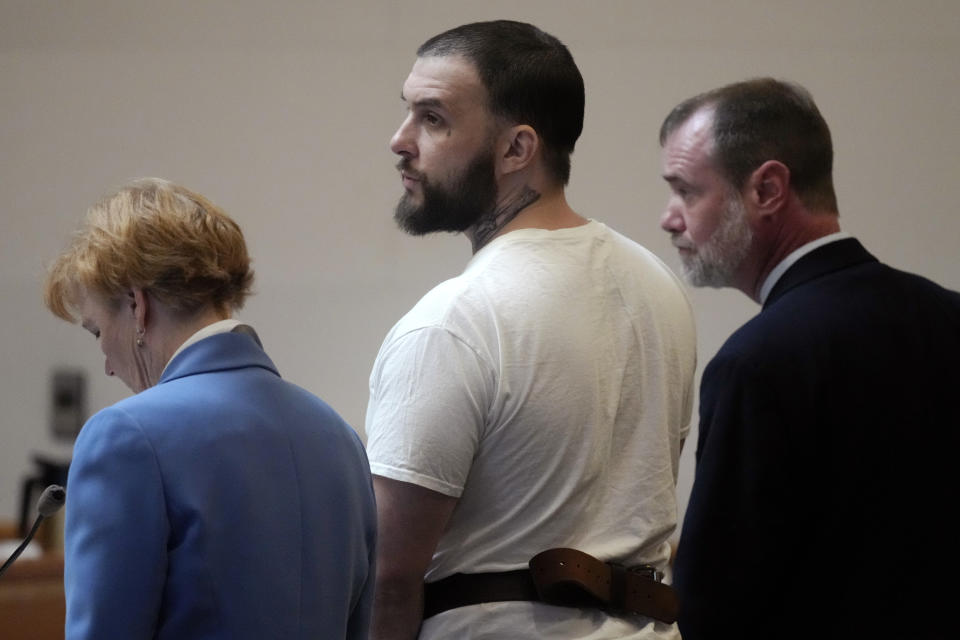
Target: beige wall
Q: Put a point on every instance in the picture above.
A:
(281, 113)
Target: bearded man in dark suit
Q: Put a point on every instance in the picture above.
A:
(823, 498)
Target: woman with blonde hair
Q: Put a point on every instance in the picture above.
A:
(219, 501)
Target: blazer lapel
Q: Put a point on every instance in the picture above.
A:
(219, 352)
(248, 330)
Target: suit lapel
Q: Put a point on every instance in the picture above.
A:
(218, 352)
(248, 330)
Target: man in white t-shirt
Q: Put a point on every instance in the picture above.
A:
(540, 399)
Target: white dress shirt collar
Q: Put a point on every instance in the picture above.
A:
(792, 258)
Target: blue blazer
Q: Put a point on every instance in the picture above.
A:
(824, 499)
(224, 503)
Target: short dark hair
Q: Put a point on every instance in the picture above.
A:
(766, 119)
(530, 77)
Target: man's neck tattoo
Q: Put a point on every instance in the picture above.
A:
(490, 224)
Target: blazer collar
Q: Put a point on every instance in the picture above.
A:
(826, 259)
(220, 352)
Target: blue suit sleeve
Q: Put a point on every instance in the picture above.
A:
(115, 533)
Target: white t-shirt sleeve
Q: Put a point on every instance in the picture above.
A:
(429, 397)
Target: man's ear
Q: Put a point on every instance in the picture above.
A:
(518, 147)
(768, 187)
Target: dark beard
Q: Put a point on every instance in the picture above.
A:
(453, 208)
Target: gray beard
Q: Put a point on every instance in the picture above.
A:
(715, 263)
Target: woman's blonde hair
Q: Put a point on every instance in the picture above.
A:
(157, 236)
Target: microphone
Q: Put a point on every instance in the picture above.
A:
(51, 500)
(49, 503)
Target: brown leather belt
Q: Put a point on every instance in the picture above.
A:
(562, 577)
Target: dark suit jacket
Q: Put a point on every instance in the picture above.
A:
(223, 503)
(824, 497)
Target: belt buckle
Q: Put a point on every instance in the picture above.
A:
(647, 571)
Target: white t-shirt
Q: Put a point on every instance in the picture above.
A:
(548, 388)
